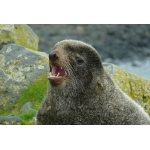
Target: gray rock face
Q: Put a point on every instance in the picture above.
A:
(18, 68)
(27, 106)
(10, 120)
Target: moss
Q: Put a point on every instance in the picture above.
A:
(26, 118)
(19, 34)
(145, 99)
(25, 33)
(35, 94)
(135, 86)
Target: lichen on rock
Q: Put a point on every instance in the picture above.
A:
(133, 85)
(18, 72)
(19, 34)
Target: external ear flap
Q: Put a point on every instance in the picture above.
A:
(99, 85)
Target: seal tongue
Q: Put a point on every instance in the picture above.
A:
(57, 70)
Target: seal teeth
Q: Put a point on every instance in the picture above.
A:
(58, 74)
(50, 74)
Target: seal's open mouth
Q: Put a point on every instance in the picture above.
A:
(57, 71)
(56, 74)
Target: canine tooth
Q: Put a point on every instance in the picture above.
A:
(58, 74)
(50, 74)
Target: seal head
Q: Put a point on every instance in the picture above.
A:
(72, 60)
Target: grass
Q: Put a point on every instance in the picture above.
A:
(27, 117)
(34, 94)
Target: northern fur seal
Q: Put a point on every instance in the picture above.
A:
(81, 92)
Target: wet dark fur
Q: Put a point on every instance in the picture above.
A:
(88, 95)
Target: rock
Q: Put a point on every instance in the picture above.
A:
(133, 85)
(34, 120)
(10, 120)
(27, 106)
(123, 42)
(28, 117)
(18, 68)
(136, 63)
(142, 69)
(19, 34)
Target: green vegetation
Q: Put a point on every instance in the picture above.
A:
(26, 118)
(145, 99)
(34, 94)
(19, 34)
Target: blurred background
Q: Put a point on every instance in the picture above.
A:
(125, 45)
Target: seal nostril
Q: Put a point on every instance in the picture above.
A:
(53, 56)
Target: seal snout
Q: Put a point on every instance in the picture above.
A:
(57, 72)
(53, 56)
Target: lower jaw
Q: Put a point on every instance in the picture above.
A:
(55, 82)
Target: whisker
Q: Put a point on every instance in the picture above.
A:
(76, 83)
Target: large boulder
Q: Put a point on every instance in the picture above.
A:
(18, 68)
(20, 65)
(18, 34)
(133, 85)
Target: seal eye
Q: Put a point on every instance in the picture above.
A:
(79, 60)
